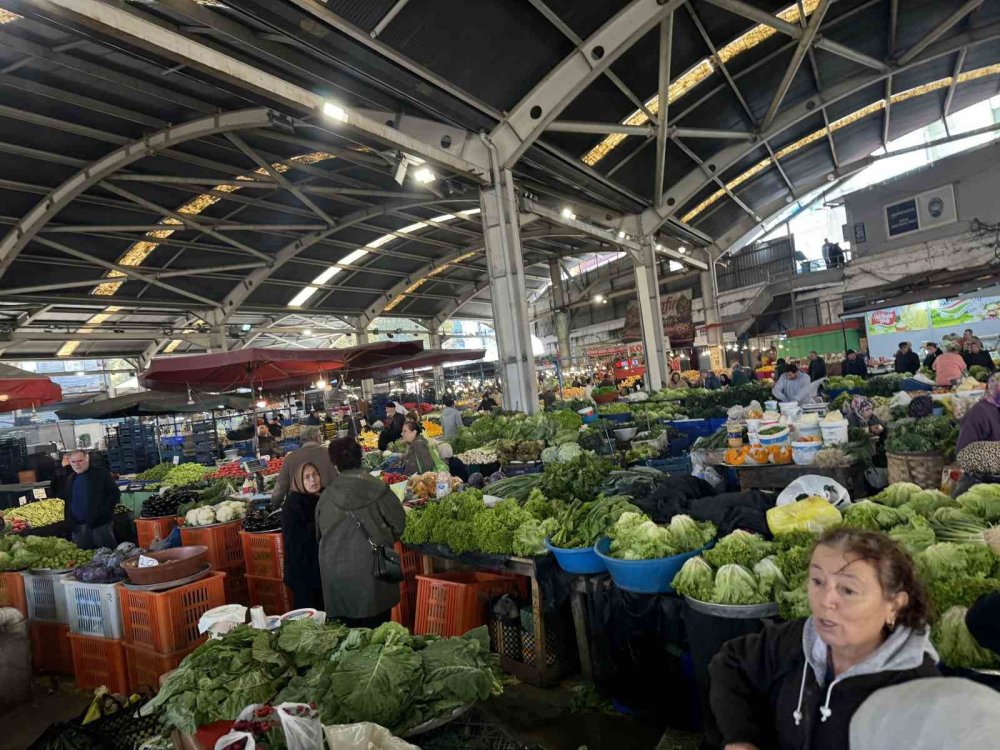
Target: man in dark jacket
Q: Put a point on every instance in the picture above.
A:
(906, 359)
(932, 353)
(392, 426)
(91, 497)
(975, 355)
(817, 367)
(854, 364)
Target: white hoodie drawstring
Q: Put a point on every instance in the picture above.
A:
(797, 713)
(825, 711)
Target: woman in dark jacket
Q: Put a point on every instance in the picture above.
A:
(298, 526)
(795, 686)
(854, 365)
(356, 507)
(418, 458)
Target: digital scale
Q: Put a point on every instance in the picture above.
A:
(255, 468)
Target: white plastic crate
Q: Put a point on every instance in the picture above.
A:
(45, 597)
(92, 609)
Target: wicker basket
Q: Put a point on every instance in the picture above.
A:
(923, 469)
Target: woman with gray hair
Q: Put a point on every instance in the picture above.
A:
(311, 452)
(456, 467)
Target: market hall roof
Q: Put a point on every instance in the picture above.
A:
(223, 195)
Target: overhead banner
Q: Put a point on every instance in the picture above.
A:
(901, 319)
(678, 325)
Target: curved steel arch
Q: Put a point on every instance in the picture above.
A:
(47, 208)
(685, 189)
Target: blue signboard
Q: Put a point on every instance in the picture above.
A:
(901, 218)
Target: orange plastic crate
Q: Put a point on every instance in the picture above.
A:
(450, 604)
(145, 667)
(99, 661)
(50, 647)
(223, 542)
(167, 621)
(12, 592)
(270, 593)
(236, 588)
(148, 530)
(405, 612)
(264, 553)
(409, 560)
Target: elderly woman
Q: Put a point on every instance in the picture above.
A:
(949, 366)
(417, 458)
(982, 421)
(860, 412)
(354, 512)
(796, 685)
(298, 526)
(456, 467)
(676, 381)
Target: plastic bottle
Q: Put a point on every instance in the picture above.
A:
(443, 486)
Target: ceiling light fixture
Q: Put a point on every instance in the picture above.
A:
(424, 176)
(598, 298)
(321, 384)
(682, 249)
(567, 213)
(261, 404)
(307, 332)
(334, 111)
(80, 373)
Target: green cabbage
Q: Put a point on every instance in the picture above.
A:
(897, 494)
(872, 516)
(770, 578)
(982, 500)
(688, 534)
(635, 537)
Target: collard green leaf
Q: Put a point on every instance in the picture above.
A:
(375, 682)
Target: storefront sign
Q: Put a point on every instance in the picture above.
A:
(675, 309)
(902, 319)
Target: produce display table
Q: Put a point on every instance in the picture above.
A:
(776, 478)
(545, 672)
(9, 493)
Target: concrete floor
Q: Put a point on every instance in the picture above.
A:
(53, 699)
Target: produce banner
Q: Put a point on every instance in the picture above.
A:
(951, 313)
(613, 351)
(914, 317)
(678, 325)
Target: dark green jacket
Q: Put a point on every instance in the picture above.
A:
(345, 557)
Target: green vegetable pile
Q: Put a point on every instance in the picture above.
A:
(43, 552)
(741, 569)
(980, 373)
(155, 473)
(956, 645)
(580, 524)
(185, 474)
(549, 428)
(635, 537)
(925, 435)
(383, 675)
(577, 479)
(885, 385)
(845, 382)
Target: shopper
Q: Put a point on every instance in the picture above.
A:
(982, 421)
(298, 527)
(418, 458)
(930, 714)
(967, 337)
(933, 352)
(312, 452)
(456, 467)
(274, 427)
(780, 365)
(793, 386)
(607, 381)
(711, 381)
(266, 446)
(451, 418)
(817, 367)
(907, 360)
(91, 497)
(676, 381)
(949, 367)
(797, 685)
(355, 511)
(975, 355)
(740, 376)
(854, 364)
(724, 380)
(488, 403)
(392, 426)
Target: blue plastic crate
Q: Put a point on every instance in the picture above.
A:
(679, 465)
(516, 470)
(717, 423)
(679, 446)
(695, 428)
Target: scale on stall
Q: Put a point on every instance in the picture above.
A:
(256, 467)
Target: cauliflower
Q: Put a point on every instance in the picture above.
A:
(191, 517)
(204, 516)
(224, 514)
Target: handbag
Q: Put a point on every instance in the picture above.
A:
(386, 565)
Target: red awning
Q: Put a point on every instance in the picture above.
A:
(20, 389)
(267, 368)
(426, 358)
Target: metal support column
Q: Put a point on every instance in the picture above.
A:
(647, 287)
(502, 236)
(439, 385)
(367, 384)
(560, 315)
(713, 321)
(219, 338)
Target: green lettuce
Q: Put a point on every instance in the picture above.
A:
(695, 579)
(739, 548)
(956, 645)
(734, 584)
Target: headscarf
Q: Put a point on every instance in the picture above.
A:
(298, 481)
(862, 407)
(992, 395)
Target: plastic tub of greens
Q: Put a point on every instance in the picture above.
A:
(582, 562)
(643, 576)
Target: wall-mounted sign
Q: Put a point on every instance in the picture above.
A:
(860, 237)
(932, 208)
(901, 218)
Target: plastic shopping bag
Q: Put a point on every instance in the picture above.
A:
(809, 485)
(812, 514)
(299, 723)
(363, 736)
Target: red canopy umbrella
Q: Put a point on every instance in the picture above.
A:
(266, 368)
(426, 358)
(20, 389)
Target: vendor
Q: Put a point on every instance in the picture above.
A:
(274, 427)
(861, 414)
(793, 386)
(298, 527)
(949, 367)
(676, 381)
(711, 381)
(906, 360)
(392, 427)
(456, 467)
(797, 685)
(451, 418)
(933, 352)
(266, 446)
(982, 421)
(724, 380)
(418, 458)
(817, 367)
(975, 355)
(488, 403)
(854, 365)
(740, 376)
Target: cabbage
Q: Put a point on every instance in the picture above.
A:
(550, 455)
(695, 579)
(872, 516)
(982, 500)
(569, 451)
(947, 560)
(635, 537)
(739, 548)
(771, 580)
(690, 535)
(734, 584)
(926, 502)
(956, 645)
(897, 494)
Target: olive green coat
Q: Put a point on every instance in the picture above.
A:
(345, 557)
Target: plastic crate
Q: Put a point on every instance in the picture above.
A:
(12, 592)
(264, 554)
(167, 621)
(405, 612)
(45, 598)
(99, 661)
(236, 589)
(93, 609)
(450, 604)
(50, 647)
(149, 530)
(223, 542)
(270, 593)
(680, 465)
(145, 667)
(409, 560)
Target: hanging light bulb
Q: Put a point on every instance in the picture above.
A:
(321, 383)
(261, 403)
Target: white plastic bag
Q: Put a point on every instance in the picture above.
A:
(363, 736)
(301, 732)
(813, 484)
(709, 474)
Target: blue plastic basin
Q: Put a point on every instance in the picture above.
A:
(623, 417)
(642, 576)
(582, 562)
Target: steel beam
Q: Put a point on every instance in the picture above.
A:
(754, 13)
(544, 103)
(387, 18)
(955, 73)
(26, 229)
(934, 34)
(663, 97)
(597, 128)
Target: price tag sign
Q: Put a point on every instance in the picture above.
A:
(364, 423)
(177, 460)
(22, 500)
(39, 493)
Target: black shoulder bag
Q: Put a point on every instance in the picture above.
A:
(386, 565)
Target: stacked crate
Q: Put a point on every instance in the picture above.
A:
(48, 623)
(95, 625)
(264, 554)
(132, 447)
(405, 612)
(206, 442)
(161, 628)
(225, 553)
(13, 458)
